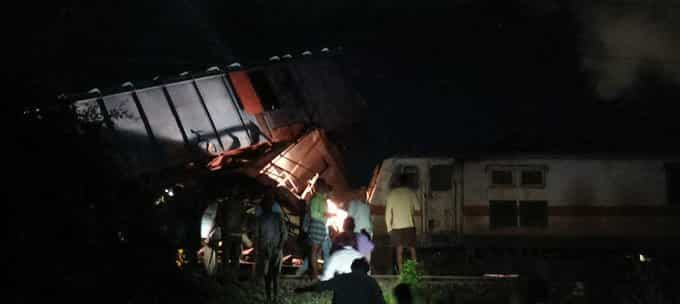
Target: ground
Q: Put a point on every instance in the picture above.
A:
(461, 290)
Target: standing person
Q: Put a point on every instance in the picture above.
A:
(325, 246)
(276, 207)
(400, 207)
(271, 235)
(233, 220)
(318, 232)
(361, 212)
(356, 287)
(305, 243)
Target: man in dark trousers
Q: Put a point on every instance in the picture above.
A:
(271, 235)
(356, 287)
(400, 207)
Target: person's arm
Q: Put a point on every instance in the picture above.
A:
(284, 233)
(305, 221)
(258, 238)
(369, 244)
(415, 206)
(388, 215)
(246, 241)
(367, 219)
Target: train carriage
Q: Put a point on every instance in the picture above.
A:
(551, 197)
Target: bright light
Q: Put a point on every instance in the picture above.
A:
(337, 217)
(219, 244)
(643, 258)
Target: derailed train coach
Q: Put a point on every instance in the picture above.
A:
(538, 200)
(169, 122)
(268, 122)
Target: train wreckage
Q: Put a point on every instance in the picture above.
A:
(267, 122)
(272, 124)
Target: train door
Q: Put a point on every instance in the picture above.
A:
(440, 211)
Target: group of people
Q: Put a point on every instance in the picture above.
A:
(335, 247)
(338, 258)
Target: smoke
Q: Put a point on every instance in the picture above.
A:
(621, 41)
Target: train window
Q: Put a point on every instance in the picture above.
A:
(533, 178)
(411, 175)
(264, 90)
(440, 177)
(673, 184)
(533, 214)
(501, 178)
(502, 214)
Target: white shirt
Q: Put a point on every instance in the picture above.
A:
(361, 213)
(401, 204)
(340, 262)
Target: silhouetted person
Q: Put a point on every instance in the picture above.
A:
(356, 287)
(402, 293)
(271, 235)
(400, 207)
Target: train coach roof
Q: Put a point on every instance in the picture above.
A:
(138, 84)
(556, 156)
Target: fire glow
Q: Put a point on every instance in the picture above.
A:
(336, 215)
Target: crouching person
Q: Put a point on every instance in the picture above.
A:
(271, 235)
(356, 287)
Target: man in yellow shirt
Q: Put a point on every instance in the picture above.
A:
(400, 207)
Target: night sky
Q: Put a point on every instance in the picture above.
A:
(440, 77)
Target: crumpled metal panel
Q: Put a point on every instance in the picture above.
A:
(200, 119)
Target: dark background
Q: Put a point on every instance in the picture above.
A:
(439, 77)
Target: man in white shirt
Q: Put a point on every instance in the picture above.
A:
(341, 260)
(400, 207)
(360, 211)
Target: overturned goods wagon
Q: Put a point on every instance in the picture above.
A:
(268, 122)
(194, 117)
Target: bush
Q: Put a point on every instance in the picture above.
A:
(410, 275)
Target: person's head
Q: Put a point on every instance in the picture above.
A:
(235, 192)
(348, 225)
(322, 187)
(344, 240)
(404, 180)
(267, 201)
(361, 266)
(402, 293)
